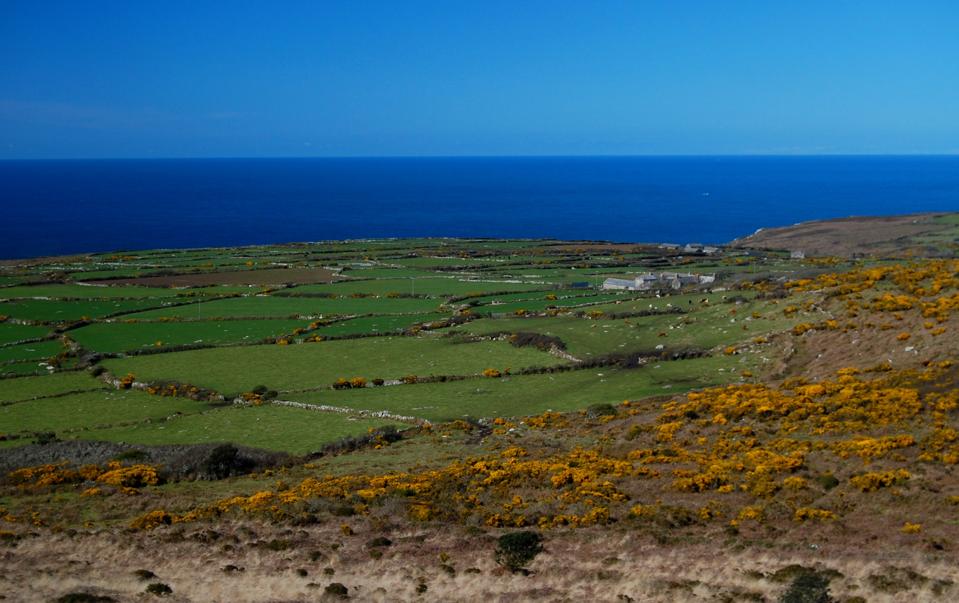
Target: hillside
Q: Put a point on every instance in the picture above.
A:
(787, 432)
(917, 235)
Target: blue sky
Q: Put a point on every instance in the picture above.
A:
(196, 79)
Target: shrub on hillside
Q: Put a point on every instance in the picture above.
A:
(225, 460)
(808, 587)
(537, 340)
(516, 549)
(81, 597)
(159, 589)
(594, 411)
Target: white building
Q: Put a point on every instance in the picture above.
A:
(618, 283)
(648, 281)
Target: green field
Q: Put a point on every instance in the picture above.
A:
(276, 306)
(38, 350)
(504, 298)
(703, 326)
(41, 310)
(434, 285)
(84, 291)
(121, 336)
(521, 395)
(542, 304)
(234, 370)
(90, 410)
(368, 335)
(377, 324)
(11, 332)
(25, 388)
(270, 427)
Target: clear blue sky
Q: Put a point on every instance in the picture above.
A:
(138, 78)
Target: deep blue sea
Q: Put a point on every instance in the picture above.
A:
(53, 207)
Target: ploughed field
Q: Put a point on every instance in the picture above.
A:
(291, 347)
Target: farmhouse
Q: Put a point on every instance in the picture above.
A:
(618, 283)
(663, 280)
(697, 248)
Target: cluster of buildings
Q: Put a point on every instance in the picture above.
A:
(691, 248)
(660, 280)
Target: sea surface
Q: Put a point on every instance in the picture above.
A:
(55, 207)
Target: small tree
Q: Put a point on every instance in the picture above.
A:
(224, 461)
(516, 549)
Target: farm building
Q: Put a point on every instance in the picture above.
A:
(618, 283)
(697, 248)
(663, 280)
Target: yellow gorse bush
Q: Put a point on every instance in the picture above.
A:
(114, 474)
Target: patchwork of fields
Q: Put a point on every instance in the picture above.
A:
(292, 347)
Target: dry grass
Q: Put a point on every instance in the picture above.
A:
(578, 565)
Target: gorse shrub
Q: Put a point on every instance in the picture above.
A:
(84, 598)
(336, 590)
(224, 461)
(517, 549)
(595, 411)
(159, 589)
(808, 587)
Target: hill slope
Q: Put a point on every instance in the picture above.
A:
(922, 235)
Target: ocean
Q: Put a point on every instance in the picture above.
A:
(57, 207)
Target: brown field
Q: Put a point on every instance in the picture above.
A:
(847, 237)
(269, 276)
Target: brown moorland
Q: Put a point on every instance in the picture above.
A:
(849, 237)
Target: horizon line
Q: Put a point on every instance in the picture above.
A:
(479, 156)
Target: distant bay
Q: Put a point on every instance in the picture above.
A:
(56, 207)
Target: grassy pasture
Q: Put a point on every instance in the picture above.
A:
(10, 332)
(60, 311)
(540, 305)
(91, 410)
(377, 271)
(435, 285)
(13, 280)
(425, 262)
(199, 313)
(583, 338)
(25, 388)
(84, 291)
(522, 395)
(21, 369)
(270, 427)
(704, 326)
(537, 295)
(690, 302)
(37, 350)
(234, 370)
(548, 274)
(121, 337)
(377, 324)
(277, 306)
